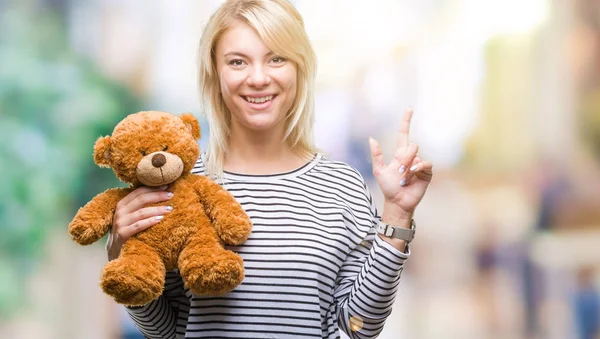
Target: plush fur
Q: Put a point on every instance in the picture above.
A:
(156, 148)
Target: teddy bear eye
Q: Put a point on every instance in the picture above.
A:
(143, 152)
(165, 148)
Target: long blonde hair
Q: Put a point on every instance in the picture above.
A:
(281, 27)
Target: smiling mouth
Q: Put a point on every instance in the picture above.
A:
(259, 100)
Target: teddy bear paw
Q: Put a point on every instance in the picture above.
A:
(129, 286)
(237, 231)
(215, 275)
(83, 233)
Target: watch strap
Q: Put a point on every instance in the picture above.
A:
(406, 234)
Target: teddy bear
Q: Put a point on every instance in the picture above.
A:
(155, 148)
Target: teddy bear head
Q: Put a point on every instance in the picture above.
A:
(150, 148)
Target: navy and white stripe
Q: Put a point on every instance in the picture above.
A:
(313, 262)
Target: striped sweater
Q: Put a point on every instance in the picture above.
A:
(313, 264)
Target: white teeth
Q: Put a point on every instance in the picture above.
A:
(259, 100)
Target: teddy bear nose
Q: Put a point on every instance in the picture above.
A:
(158, 160)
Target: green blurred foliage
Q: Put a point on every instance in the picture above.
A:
(54, 104)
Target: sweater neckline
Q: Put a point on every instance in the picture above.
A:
(275, 176)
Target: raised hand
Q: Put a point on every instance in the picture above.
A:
(405, 179)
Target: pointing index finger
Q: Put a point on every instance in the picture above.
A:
(403, 131)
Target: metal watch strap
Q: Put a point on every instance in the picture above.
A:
(406, 234)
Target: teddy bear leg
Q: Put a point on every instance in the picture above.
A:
(209, 270)
(135, 278)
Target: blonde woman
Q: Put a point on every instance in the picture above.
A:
(320, 257)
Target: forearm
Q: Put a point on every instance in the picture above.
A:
(154, 320)
(159, 319)
(393, 215)
(369, 291)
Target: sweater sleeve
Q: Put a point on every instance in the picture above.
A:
(165, 317)
(369, 277)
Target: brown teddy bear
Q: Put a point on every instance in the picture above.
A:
(155, 149)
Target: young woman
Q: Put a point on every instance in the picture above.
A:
(320, 257)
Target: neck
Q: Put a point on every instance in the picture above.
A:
(262, 152)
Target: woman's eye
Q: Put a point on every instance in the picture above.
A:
(165, 148)
(143, 152)
(278, 60)
(236, 62)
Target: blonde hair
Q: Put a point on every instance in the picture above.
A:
(281, 27)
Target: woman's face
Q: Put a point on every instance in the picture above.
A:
(258, 86)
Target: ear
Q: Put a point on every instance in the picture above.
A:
(102, 152)
(192, 124)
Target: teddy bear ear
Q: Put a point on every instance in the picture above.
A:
(192, 124)
(102, 151)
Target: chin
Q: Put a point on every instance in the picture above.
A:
(261, 122)
(261, 125)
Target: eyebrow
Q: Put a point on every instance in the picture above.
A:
(240, 54)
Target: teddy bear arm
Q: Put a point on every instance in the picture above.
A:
(93, 220)
(228, 217)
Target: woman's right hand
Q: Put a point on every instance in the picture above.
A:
(131, 216)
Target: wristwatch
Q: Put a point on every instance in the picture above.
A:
(406, 234)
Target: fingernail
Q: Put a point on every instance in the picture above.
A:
(159, 217)
(402, 169)
(414, 168)
(169, 208)
(170, 194)
(403, 182)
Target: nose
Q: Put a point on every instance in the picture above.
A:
(258, 77)
(158, 160)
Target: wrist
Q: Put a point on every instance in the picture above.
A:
(113, 246)
(398, 244)
(396, 235)
(396, 216)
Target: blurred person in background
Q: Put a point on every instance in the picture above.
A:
(553, 189)
(586, 304)
(317, 260)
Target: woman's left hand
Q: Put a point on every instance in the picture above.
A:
(405, 179)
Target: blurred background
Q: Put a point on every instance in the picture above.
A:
(507, 106)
